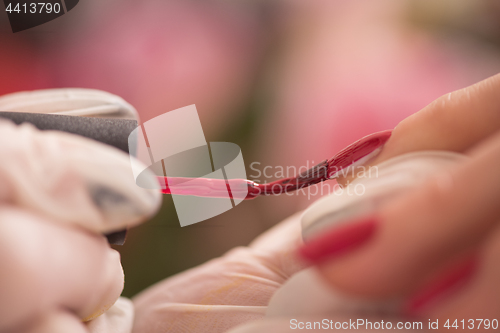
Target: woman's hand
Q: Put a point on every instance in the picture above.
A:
(438, 247)
(416, 238)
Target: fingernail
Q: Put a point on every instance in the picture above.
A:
(359, 152)
(340, 240)
(446, 283)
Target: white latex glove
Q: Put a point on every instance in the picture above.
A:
(58, 194)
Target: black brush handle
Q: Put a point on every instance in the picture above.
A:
(113, 132)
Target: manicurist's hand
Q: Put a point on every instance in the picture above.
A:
(59, 194)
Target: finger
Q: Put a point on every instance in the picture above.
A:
(46, 266)
(276, 247)
(418, 233)
(223, 292)
(455, 122)
(72, 180)
(476, 300)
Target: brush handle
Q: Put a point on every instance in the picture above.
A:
(111, 131)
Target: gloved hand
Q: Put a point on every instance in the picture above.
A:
(59, 193)
(237, 287)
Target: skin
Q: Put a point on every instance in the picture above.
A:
(242, 281)
(446, 221)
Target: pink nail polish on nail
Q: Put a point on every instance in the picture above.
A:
(359, 152)
(452, 279)
(339, 241)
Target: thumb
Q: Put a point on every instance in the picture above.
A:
(471, 112)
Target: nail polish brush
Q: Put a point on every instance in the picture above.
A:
(353, 155)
